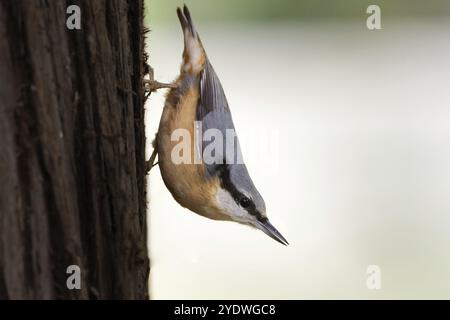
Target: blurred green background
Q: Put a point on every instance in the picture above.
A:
(294, 10)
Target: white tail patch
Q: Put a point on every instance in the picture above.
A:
(194, 53)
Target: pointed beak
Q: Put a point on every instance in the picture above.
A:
(270, 230)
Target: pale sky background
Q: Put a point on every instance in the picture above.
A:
(346, 134)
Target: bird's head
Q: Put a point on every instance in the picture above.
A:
(240, 201)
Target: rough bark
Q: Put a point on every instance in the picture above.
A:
(72, 179)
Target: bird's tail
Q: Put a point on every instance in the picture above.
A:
(194, 56)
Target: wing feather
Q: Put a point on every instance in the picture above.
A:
(214, 113)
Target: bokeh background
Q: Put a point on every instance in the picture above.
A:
(346, 133)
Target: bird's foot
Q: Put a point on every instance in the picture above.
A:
(153, 85)
(151, 162)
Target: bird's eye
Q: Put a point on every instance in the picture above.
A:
(245, 202)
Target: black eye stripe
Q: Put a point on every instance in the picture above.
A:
(226, 183)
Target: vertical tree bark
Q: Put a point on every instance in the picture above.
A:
(72, 180)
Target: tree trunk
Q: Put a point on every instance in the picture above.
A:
(72, 164)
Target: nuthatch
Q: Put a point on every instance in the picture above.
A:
(222, 190)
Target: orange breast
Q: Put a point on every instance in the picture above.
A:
(186, 182)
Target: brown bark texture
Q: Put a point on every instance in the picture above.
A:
(72, 163)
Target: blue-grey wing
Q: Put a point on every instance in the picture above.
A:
(215, 119)
(212, 96)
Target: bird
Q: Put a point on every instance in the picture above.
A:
(221, 189)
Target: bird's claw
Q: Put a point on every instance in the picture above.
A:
(151, 162)
(153, 85)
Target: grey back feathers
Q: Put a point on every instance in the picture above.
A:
(212, 94)
(214, 113)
